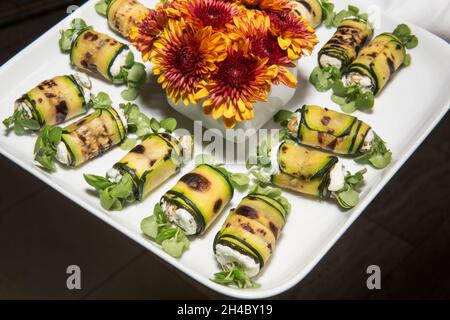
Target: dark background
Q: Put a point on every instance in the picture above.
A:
(406, 230)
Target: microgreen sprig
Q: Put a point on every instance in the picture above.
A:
(101, 7)
(333, 19)
(21, 122)
(237, 276)
(133, 75)
(70, 34)
(348, 196)
(45, 146)
(274, 193)
(172, 238)
(379, 155)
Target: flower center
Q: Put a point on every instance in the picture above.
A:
(267, 46)
(214, 14)
(186, 59)
(235, 71)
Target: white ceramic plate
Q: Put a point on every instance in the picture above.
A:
(405, 113)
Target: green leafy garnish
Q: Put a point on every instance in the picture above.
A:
(403, 32)
(324, 78)
(69, 35)
(133, 74)
(113, 196)
(128, 144)
(333, 19)
(101, 7)
(348, 196)
(138, 122)
(45, 146)
(282, 117)
(100, 101)
(21, 122)
(239, 181)
(235, 276)
(378, 156)
(274, 193)
(172, 238)
(352, 98)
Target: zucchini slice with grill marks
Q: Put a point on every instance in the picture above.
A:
(53, 101)
(200, 195)
(376, 63)
(310, 10)
(248, 236)
(343, 47)
(122, 14)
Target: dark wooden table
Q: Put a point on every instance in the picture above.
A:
(406, 230)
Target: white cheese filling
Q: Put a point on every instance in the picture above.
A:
(354, 78)
(21, 105)
(62, 154)
(85, 83)
(187, 144)
(119, 62)
(329, 61)
(122, 116)
(227, 256)
(181, 217)
(114, 175)
(337, 178)
(368, 140)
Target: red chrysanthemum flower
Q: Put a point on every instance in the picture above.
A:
(294, 34)
(184, 58)
(239, 81)
(145, 33)
(252, 32)
(203, 13)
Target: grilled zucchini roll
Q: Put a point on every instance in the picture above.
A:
(51, 102)
(144, 168)
(336, 132)
(343, 47)
(248, 236)
(197, 199)
(102, 55)
(191, 206)
(122, 14)
(81, 141)
(308, 171)
(376, 63)
(310, 10)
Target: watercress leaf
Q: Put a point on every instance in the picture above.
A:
(106, 201)
(150, 226)
(412, 42)
(353, 10)
(173, 247)
(365, 101)
(101, 101)
(30, 124)
(98, 182)
(129, 94)
(380, 161)
(402, 30)
(130, 60)
(128, 144)
(78, 24)
(407, 60)
(349, 107)
(338, 100)
(282, 117)
(154, 125)
(169, 124)
(341, 15)
(166, 232)
(348, 198)
(123, 189)
(54, 135)
(101, 7)
(339, 89)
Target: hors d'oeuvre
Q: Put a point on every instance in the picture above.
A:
(189, 208)
(248, 236)
(343, 47)
(51, 102)
(122, 14)
(289, 165)
(149, 164)
(101, 55)
(336, 132)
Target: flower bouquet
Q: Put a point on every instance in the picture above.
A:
(223, 58)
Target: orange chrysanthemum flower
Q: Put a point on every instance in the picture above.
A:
(184, 58)
(204, 13)
(252, 32)
(239, 81)
(294, 34)
(269, 5)
(144, 34)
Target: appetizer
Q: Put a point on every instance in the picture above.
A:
(159, 156)
(356, 83)
(307, 171)
(344, 45)
(190, 207)
(336, 132)
(102, 55)
(51, 102)
(248, 236)
(122, 14)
